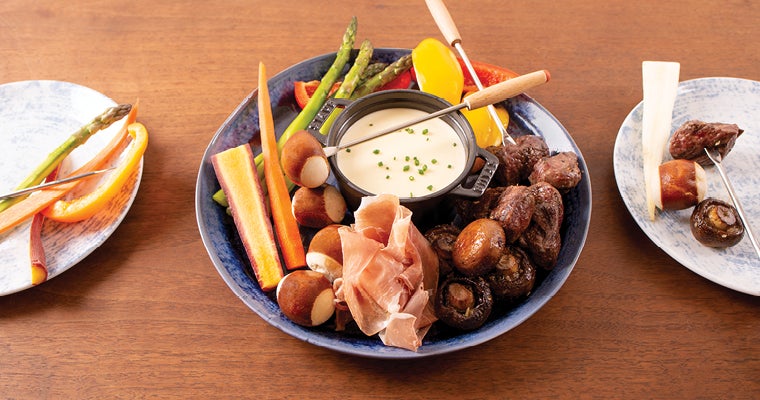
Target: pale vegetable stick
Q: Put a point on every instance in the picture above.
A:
(660, 81)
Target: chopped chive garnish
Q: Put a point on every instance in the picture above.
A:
(430, 188)
(379, 163)
(406, 168)
(434, 161)
(376, 151)
(425, 131)
(411, 177)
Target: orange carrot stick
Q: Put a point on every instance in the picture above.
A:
(285, 223)
(37, 202)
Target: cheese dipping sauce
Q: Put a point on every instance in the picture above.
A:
(416, 161)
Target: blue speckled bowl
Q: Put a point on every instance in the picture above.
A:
(220, 238)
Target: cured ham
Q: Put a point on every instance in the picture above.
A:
(390, 273)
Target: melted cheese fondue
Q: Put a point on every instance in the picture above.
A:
(412, 162)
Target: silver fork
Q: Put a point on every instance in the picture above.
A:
(716, 158)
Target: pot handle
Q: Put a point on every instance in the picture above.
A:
(319, 119)
(483, 178)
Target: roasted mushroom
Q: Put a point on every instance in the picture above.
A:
(463, 302)
(513, 278)
(442, 238)
(478, 247)
(716, 223)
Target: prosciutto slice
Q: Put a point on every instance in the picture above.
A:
(390, 273)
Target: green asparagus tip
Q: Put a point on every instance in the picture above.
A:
(112, 114)
(119, 111)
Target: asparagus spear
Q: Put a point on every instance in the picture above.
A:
(319, 97)
(371, 70)
(388, 74)
(350, 81)
(315, 103)
(78, 138)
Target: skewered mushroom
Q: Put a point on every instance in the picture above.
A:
(716, 223)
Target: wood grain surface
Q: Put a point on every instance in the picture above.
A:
(147, 315)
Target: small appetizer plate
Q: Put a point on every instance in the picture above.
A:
(729, 100)
(35, 118)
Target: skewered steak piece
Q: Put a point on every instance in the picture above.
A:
(691, 138)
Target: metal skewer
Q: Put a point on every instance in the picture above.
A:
(446, 24)
(53, 183)
(716, 158)
(498, 92)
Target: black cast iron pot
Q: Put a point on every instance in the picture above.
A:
(466, 184)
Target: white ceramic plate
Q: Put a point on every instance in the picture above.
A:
(729, 100)
(35, 117)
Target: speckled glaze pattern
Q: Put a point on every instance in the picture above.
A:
(35, 117)
(219, 236)
(729, 100)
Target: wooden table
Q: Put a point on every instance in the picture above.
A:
(147, 315)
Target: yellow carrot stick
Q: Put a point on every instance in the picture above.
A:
(236, 172)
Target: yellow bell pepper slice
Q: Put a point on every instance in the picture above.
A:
(487, 133)
(438, 71)
(89, 204)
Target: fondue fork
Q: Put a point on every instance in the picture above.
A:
(716, 159)
(446, 24)
(492, 94)
(54, 183)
